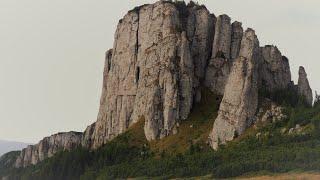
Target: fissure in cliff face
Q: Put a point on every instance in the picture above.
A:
(163, 54)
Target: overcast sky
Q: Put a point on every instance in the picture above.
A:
(52, 54)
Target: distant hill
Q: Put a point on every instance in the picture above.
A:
(7, 146)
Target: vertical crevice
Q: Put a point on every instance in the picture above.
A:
(137, 37)
(137, 75)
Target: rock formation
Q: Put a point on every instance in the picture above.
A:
(304, 87)
(48, 147)
(240, 99)
(274, 70)
(158, 62)
(163, 55)
(226, 46)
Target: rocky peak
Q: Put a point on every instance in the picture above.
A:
(304, 87)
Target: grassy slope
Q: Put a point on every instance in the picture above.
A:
(7, 160)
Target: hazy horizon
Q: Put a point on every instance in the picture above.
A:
(52, 55)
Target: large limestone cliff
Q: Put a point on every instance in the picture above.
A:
(157, 65)
(163, 55)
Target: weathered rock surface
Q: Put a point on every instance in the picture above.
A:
(226, 47)
(236, 37)
(274, 69)
(240, 99)
(200, 32)
(304, 87)
(158, 61)
(87, 140)
(48, 147)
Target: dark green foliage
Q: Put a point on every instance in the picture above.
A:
(7, 161)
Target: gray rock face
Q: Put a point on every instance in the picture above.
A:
(222, 38)
(236, 37)
(200, 32)
(240, 99)
(226, 47)
(304, 87)
(87, 140)
(153, 73)
(274, 69)
(48, 147)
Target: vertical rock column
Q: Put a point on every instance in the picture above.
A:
(226, 46)
(304, 87)
(240, 99)
(236, 37)
(200, 32)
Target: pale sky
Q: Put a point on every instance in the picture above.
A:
(52, 54)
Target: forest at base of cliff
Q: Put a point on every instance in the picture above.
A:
(265, 149)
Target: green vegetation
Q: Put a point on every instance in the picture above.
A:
(7, 161)
(186, 154)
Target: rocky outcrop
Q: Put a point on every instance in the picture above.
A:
(240, 99)
(48, 147)
(304, 87)
(270, 112)
(158, 62)
(226, 47)
(274, 69)
(219, 65)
